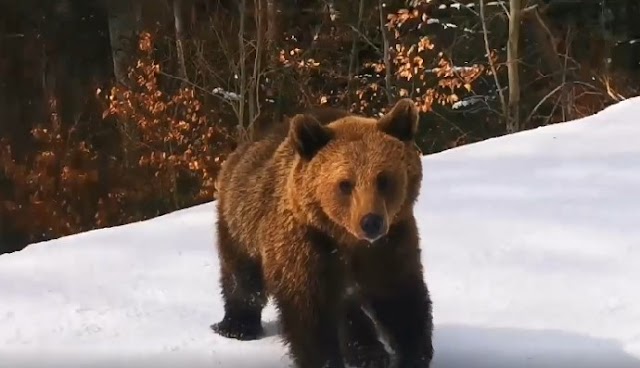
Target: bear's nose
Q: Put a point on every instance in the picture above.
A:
(372, 224)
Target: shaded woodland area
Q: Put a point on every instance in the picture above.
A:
(113, 111)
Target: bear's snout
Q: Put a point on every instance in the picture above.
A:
(372, 226)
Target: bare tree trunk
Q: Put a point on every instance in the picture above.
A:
(515, 16)
(137, 11)
(122, 30)
(272, 24)
(546, 43)
(274, 36)
(354, 48)
(254, 85)
(179, 25)
(385, 55)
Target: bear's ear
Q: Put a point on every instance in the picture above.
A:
(308, 135)
(402, 121)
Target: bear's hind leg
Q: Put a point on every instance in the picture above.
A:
(361, 345)
(243, 292)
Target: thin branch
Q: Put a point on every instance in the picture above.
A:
(564, 73)
(542, 100)
(505, 9)
(365, 38)
(454, 2)
(566, 59)
(610, 92)
(491, 64)
(544, 26)
(553, 110)
(225, 50)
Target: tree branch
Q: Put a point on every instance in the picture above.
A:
(485, 32)
(513, 125)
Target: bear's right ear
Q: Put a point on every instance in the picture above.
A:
(308, 135)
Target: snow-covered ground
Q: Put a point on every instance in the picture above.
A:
(531, 245)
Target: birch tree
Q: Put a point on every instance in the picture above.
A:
(122, 30)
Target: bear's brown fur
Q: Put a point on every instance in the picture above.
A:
(319, 216)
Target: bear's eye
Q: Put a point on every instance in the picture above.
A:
(345, 186)
(383, 182)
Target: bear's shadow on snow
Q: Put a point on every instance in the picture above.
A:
(458, 346)
(477, 347)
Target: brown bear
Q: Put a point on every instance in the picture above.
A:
(319, 216)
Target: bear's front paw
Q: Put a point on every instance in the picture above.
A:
(416, 362)
(367, 356)
(238, 329)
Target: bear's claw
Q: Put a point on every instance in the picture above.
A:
(367, 356)
(237, 331)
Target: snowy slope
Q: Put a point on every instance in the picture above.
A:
(531, 246)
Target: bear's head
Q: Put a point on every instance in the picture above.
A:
(356, 176)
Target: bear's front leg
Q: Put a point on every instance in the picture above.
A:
(311, 333)
(405, 316)
(306, 286)
(361, 345)
(399, 298)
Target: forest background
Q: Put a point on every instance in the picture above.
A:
(114, 111)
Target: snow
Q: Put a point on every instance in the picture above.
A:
(227, 95)
(531, 248)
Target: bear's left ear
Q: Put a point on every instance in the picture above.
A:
(308, 135)
(402, 121)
